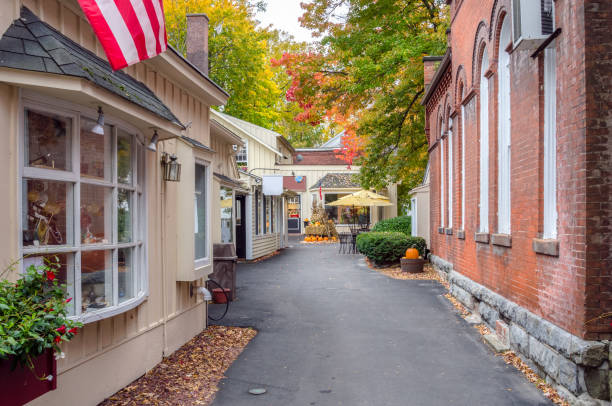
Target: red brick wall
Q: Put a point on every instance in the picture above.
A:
(569, 289)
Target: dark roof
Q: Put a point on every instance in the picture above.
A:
(229, 180)
(318, 157)
(33, 45)
(197, 143)
(336, 181)
(445, 63)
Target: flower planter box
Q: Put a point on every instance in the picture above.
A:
(21, 385)
(412, 265)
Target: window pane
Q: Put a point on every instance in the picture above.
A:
(95, 151)
(46, 205)
(227, 204)
(200, 212)
(65, 273)
(95, 214)
(332, 211)
(124, 157)
(127, 278)
(124, 216)
(96, 280)
(48, 140)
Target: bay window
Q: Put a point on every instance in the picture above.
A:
(82, 206)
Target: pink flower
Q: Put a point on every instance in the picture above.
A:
(61, 330)
(69, 300)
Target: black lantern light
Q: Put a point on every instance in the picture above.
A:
(172, 169)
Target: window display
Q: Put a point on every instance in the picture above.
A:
(82, 198)
(227, 204)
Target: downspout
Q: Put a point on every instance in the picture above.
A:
(163, 262)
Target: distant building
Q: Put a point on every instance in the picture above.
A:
(419, 209)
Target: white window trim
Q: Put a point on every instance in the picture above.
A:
(462, 164)
(442, 180)
(33, 100)
(206, 261)
(450, 173)
(483, 225)
(414, 216)
(246, 153)
(504, 134)
(550, 143)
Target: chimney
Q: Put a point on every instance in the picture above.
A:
(430, 65)
(196, 41)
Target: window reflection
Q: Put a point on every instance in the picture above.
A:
(48, 138)
(95, 151)
(96, 280)
(124, 157)
(227, 229)
(44, 217)
(124, 217)
(95, 214)
(126, 274)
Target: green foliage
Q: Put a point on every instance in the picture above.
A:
(388, 247)
(382, 247)
(418, 243)
(401, 224)
(33, 314)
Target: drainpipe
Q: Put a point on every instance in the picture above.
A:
(163, 259)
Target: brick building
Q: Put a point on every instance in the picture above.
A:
(519, 118)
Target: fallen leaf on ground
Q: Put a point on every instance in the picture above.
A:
(190, 375)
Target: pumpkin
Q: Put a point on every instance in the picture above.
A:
(412, 253)
(325, 238)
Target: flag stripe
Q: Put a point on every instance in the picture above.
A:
(145, 24)
(154, 24)
(133, 25)
(159, 10)
(104, 33)
(129, 30)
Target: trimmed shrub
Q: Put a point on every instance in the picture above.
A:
(388, 247)
(401, 224)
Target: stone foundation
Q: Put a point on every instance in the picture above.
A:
(579, 369)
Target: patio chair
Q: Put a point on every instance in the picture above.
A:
(345, 240)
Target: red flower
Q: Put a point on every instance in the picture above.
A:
(69, 300)
(73, 330)
(50, 309)
(57, 339)
(61, 330)
(50, 275)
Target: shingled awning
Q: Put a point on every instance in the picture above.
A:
(31, 44)
(336, 181)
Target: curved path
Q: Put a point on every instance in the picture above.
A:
(333, 332)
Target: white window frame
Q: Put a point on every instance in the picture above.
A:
(462, 163)
(245, 153)
(483, 205)
(442, 180)
(550, 143)
(202, 262)
(504, 133)
(139, 255)
(450, 173)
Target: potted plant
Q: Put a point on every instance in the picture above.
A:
(413, 261)
(33, 325)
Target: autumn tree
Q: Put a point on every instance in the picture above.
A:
(368, 75)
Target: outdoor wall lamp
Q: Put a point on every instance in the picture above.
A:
(171, 167)
(98, 128)
(153, 144)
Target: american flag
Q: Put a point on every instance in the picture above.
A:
(129, 30)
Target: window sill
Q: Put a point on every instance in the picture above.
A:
(101, 314)
(502, 240)
(482, 238)
(546, 247)
(449, 231)
(440, 230)
(461, 234)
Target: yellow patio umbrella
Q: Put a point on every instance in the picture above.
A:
(363, 198)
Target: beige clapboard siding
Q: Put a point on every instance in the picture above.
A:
(263, 244)
(99, 337)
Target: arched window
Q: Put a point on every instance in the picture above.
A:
(484, 146)
(503, 131)
(442, 207)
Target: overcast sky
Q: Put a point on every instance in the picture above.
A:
(283, 15)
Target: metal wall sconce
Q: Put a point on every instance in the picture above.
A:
(171, 167)
(153, 144)
(98, 128)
